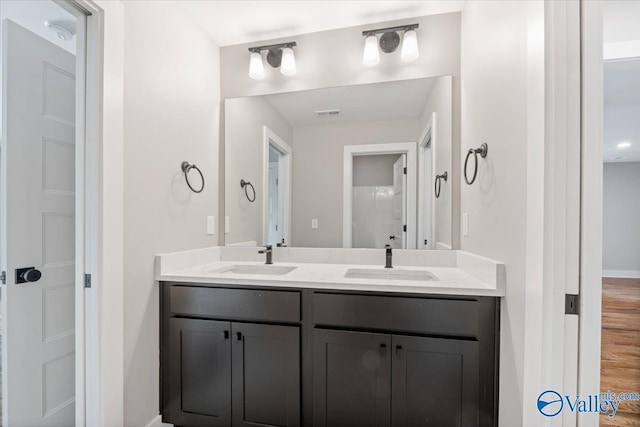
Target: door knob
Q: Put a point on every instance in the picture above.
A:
(27, 274)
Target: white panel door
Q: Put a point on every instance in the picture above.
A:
(38, 223)
(399, 240)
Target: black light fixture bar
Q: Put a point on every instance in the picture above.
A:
(272, 46)
(409, 27)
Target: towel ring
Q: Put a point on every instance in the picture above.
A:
(484, 148)
(438, 183)
(244, 184)
(186, 167)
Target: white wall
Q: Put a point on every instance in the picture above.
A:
(334, 58)
(244, 122)
(373, 170)
(495, 78)
(440, 101)
(621, 220)
(171, 113)
(318, 174)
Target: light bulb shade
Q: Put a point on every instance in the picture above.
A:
(410, 50)
(256, 67)
(288, 65)
(371, 55)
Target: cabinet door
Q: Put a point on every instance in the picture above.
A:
(351, 379)
(200, 365)
(435, 382)
(266, 375)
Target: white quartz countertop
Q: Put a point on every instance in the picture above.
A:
(475, 276)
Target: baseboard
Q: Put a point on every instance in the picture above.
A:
(157, 422)
(621, 274)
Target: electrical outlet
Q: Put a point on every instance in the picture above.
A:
(211, 225)
(314, 223)
(465, 224)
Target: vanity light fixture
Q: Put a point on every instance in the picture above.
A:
(371, 55)
(624, 144)
(278, 55)
(256, 67)
(410, 50)
(389, 42)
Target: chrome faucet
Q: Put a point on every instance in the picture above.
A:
(388, 263)
(268, 249)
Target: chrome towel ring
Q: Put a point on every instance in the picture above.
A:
(438, 183)
(186, 167)
(244, 184)
(484, 148)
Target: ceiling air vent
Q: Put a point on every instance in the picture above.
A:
(325, 114)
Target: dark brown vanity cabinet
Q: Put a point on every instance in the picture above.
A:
(280, 357)
(365, 379)
(222, 372)
(200, 372)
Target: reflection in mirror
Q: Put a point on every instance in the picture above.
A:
(355, 166)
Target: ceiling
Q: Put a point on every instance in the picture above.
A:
(238, 22)
(404, 99)
(32, 14)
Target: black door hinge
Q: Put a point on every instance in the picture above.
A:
(3, 277)
(87, 280)
(571, 304)
(405, 170)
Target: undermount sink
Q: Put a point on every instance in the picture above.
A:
(269, 270)
(389, 274)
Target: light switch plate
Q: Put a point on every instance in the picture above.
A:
(465, 224)
(226, 225)
(314, 223)
(211, 225)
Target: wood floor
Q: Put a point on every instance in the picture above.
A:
(620, 364)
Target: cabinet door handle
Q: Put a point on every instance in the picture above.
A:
(239, 336)
(225, 335)
(383, 348)
(398, 350)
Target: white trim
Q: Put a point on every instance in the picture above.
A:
(408, 148)
(269, 138)
(104, 314)
(621, 274)
(591, 205)
(81, 243)
(429, 133)
(629, 49)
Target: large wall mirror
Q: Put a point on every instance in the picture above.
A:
(354, 166)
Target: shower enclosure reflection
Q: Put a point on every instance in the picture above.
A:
(351, 166)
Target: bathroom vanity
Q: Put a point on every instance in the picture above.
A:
(243, 343)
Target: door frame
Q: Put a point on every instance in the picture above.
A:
(351, 151)
(592, 106)
(99, 309)
(285, 161)
(427, 139)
